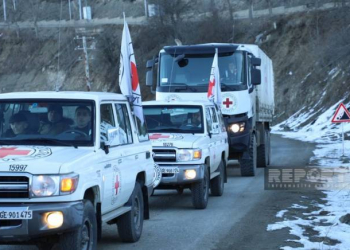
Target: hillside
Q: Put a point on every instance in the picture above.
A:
(310, 52)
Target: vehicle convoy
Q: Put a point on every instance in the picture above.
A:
(189, 142)
(70, 161)
(247, 87)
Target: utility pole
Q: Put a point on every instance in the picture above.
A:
(80, 13)
(14, 4)
(85, 48)
(146, 8)
(70, 10)
(4, 6)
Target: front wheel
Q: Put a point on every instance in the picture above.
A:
(217, 184)
(130, 224)
(85, 238)
(248, 166)
(200, 191)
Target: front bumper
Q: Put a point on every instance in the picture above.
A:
(179, 178)
(24, 230)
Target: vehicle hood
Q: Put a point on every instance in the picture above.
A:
(38, 159)
(174, 140)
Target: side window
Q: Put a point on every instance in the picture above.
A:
(107, 114)
(209, 120)
(213, 115)
(214, 118)
(249, 72)
(107, 120)
(124, 121)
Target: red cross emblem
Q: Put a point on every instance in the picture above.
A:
(158, 136)
(116, 184)
(12, 151)
(227, 102)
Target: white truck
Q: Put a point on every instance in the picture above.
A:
(190, 146)
(247, 86)
(70, 161)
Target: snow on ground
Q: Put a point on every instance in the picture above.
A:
(327, 230)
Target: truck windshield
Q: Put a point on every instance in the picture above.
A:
(191, 72)
(47, 122)
(174, 119)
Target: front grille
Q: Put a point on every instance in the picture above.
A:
(14, 187)
(10, 223)
(164, 155)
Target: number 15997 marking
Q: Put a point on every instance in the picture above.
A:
(17, 168)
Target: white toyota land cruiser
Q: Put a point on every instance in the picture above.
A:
(70, 161)
(190, 146)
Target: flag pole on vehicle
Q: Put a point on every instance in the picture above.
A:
(128, 77)
(214, 89)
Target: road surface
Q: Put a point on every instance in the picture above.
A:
(237, 220)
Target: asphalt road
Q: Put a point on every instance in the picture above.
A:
(237, 220)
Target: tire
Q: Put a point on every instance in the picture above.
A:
(217, 184)
(263, 152)
(130, 224)
(85, 238)
(200, 191)
(248, 166)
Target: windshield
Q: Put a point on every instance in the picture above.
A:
(191, 73)
(174, 119)
(47, 122)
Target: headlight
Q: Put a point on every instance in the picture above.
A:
(52, 185)
(237, 127)
(188, 154)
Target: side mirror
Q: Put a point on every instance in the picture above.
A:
(256, 61)
(113, 138)
(256, 76)
(215, 128)
(149, 78)
(150, 64)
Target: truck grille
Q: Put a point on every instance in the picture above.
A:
(164, 155)
(14, 187)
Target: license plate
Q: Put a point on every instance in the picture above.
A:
(14, 213)
(170, 170)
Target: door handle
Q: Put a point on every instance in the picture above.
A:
(136, 157)
(120, 161)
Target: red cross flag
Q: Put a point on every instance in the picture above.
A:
(214, 90)
(128, 77)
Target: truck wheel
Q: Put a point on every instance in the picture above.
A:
(217, 184)
(130, 224)
(200, 192)
(85, 238)
(263, 152)
(248, 166)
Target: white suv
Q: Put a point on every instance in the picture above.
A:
(190, 146)
(70, 161)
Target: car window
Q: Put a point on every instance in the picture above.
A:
(208, 119)
(124, 121)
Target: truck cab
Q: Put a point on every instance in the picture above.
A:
(189, 142)
(70, 161)
(247, 87)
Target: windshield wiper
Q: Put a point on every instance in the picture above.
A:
(55, 141)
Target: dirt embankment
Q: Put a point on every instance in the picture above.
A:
(310, 52)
